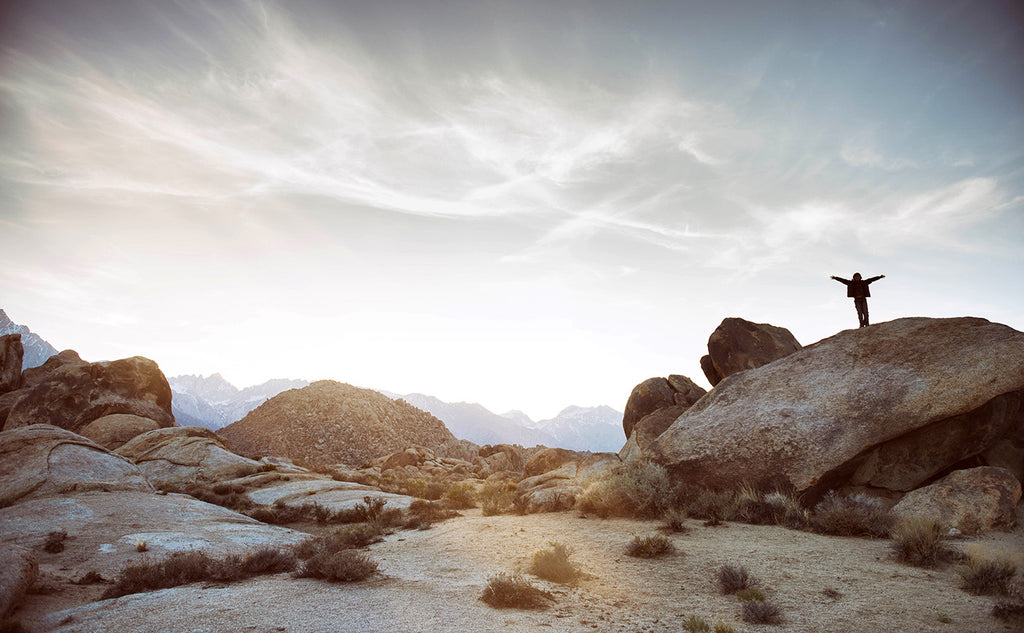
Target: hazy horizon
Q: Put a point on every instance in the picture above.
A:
(528, 205)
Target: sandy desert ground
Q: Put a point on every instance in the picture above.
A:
(430, 581)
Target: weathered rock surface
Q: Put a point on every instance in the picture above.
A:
(333, 495)
(737, 345)
(42, 461)
(549, 459)
(173, 458)
(658, 393)
(330, 422)
(71, 394)
(973, 500)
(829, 412)
(18, 571)
(114, 431)
(11, 354)
(557, 489)
(649, 429)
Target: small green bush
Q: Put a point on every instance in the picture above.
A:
(756, 612)
(650, 546)
(732, 578)
(853, 515)
(920, 541)
(553, 564)
(514, 591)
(986, 576)
(345, 565)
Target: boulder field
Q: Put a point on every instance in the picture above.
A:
(888, 407)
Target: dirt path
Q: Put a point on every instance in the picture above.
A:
(430, 581)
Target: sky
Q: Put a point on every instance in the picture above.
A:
(529, 205)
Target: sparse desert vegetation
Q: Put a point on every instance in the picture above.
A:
(921, 541)
(552, 563)
(513, 591)
(650, 546)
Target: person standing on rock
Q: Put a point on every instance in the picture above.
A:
(858, 289)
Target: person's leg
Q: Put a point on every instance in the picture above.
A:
(862, 310)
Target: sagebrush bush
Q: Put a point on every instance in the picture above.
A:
(553, 564)
(756, 612)
(722, 627)
(640, 489)
(1010, 610)
(650, 546)
(732, 578)
(514, 591)
(921, 541)
(345, 565)
(423, 514)
(986, 575)
(751, 594)
(349, 537)
(460, 496)
(496, 498)
(851, 515)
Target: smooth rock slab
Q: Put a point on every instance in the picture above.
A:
(973, 500)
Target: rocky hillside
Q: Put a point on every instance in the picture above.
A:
(36, 349)
(212, 402)
(330, 422)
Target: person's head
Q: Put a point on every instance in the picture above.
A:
(856, 276)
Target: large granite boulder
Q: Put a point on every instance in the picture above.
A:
(114, 431)
(174, 458)
(887, 406)
(42, 460)
(18, 571)
(658, 393)
(11, 354)
(737, 345)
(973, 500)
(71, 393)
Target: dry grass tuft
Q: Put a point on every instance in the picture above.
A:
(460, 496)
(496, 498)
(986, 574)
(853, 515)
(506, 591)
(733, 578)
(921, 541)
(553, 564)
(650, 546)
(756, 612)
(345, 565)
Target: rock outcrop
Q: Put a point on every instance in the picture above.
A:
(113, 431)
(556, 489)
(11, 353)
(737, 345)
(972, 500)
(330, 422)
(174, 458)
(888, 406)
(654, 394)
(18, 571)
(42, 461)
(70, 393)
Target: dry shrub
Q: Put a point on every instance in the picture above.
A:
(515, 592)
(460, 496)
(423, 488)
(696, 624)
(852, 515)
(986, 574)
(345, 565)
(349, 537)
(786, 510)
(54, 542)
(751, 594)
(675, 520)
(496, 498)
(650, 546)
(91, 577)
(1010, 611)
(756, 612)
(722, 627)
(182, 568)
(732, 578)
(921, 541)
(639, 489)
(713, 506)
(422, 514)
(553, 564)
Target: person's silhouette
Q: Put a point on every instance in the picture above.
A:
(858, 289)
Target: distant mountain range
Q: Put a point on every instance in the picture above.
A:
(214, 403)
(36, 349)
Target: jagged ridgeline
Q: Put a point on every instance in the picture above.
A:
(331, 422)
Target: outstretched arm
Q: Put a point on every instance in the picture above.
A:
(841, 280)
(867, 281)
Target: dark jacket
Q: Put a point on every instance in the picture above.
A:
(858, 287)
